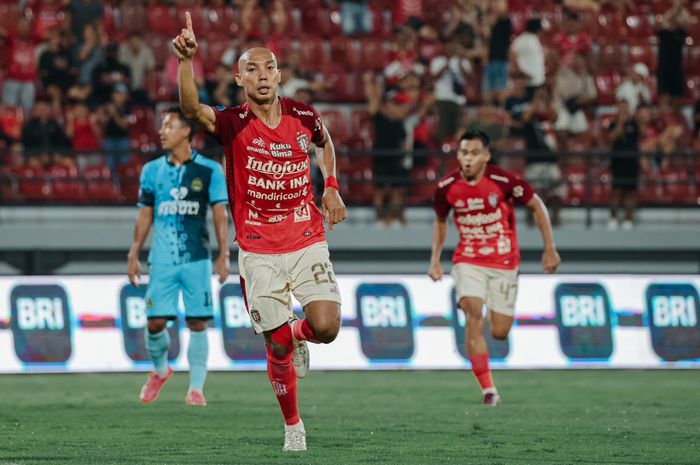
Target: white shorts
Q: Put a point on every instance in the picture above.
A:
(497, 288)
(268, 279)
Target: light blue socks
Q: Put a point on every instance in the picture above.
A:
(197, 354)
(157, 345)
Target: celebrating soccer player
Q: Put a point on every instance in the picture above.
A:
(279, 230)
(487, 257)
(175, 191)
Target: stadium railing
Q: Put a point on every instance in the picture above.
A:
(93, 178)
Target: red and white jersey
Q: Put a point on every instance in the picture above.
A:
(484, 215)
(269, 177)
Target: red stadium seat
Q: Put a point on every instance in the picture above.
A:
(223, 21)
(129, 181)
(157, 87)
(161, 47)
(344, 52)
(11, 120)
(312, 53)
(422, 188)
(611, 57)
(200, 25)
(606, 83)
(215, 49)
(9, 13)
(99, 184)
(108, 22)
(692, 59)
(337, 125)
(316, 21)
(642, 53)
(575, 178)
(162, 20)
(143, 134)
(692, 92)
(639, 26)
(362, 129)
(613, 25)
(343, 84)
(66, 184)
(373, 54)
(33, 183)
(133, 17)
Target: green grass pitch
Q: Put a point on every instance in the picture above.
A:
(547, 417)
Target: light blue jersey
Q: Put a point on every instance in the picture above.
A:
(179, 196)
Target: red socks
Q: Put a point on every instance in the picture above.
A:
(303, 332)
(481, 370)
(282, 375)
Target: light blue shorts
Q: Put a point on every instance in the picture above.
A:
(166, 281)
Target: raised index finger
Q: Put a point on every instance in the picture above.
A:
(188, 21)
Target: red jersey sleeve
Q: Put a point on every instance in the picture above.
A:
(308, 116)
(441, 205)
(229, 122)
(514, 188)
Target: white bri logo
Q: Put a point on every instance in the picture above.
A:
(674, 311)
(136, 312)
(235, 313)
(40, 313)
(302, 214)
(259, 142)
(583, 310)
(384, 311)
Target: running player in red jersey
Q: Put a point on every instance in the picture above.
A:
(280, 231)
(487, 257)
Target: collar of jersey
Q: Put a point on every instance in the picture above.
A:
(189, 160)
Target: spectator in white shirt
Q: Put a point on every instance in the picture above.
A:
(634, 89)
(450, 72)
(527, 55)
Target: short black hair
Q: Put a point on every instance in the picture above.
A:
(534, 25)
(477, 135)
(185, 121)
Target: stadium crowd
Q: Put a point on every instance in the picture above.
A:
(83, 82)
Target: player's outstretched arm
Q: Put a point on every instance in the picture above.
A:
(222, 266)
(184, 47)
(550, 256)
(439, 232)
(331, 203)
(141, 229)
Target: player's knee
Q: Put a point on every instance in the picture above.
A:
(500, 334)
(156, 325)
(196, 324)
(327, 331)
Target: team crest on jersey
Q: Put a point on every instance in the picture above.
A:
(197, 185)
(303, 141)
(493, 200)
(149, 303)
(255, 315)
(518, 191)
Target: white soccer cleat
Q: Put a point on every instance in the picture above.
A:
(300, 358)
(294, 440)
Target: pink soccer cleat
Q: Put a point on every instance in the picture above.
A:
(195, 397)
(491, 399)
(150, 390)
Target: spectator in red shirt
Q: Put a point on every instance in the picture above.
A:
(83, 129)
(573, 41)
(18, 89)
(48, 15)
(404, 59)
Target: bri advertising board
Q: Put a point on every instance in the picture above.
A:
(96, 323)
